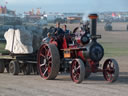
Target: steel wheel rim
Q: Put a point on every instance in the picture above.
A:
(45, 61)
(109, 71)
(75, 71)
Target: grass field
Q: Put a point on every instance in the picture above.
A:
(114, 43)
(112, 49)
(2, 47)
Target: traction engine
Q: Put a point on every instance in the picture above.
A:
(79, 59)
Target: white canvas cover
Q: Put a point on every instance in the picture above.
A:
(19, 41)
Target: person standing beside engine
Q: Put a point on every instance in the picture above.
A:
(58, 30)
(66, 31)
(67, 34)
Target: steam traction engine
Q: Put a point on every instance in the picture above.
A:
(79, 59)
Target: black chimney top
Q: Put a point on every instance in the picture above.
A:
(93, 25)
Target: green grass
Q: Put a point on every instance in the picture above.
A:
(115, 49)
(110, 49)
(2, 47)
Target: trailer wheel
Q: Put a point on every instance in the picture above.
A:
(2, 66)
(27, 69)
(87, 70)
(77, 70)
(111, 70)
(7, 68)
(48, 61)
(14, 67)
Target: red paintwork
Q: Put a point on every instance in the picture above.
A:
(78, 41)
(92, 65)
(64, 45)
(78, 54)
(72, 46)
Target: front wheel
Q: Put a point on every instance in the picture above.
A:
(111, 70)
(77, 70)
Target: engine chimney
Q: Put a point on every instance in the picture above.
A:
(93, 25)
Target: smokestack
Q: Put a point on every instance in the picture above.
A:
(93, 25)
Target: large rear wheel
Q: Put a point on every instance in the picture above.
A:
(77, 70)
(111, 70)
(48, 61)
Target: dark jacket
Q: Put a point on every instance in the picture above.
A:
(59, 31)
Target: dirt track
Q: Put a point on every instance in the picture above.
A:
(62, 86)
(34, 85)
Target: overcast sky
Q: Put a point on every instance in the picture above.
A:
(67, 5)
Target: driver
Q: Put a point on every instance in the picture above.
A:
(59, 34)
(58, 30)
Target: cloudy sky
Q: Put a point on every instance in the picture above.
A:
(67, 5)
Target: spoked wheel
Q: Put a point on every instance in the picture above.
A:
(2, 66)
(27, 69)
(48, 61)
(77, 70)
(111, 70)
(87, 70)
(14, 67)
